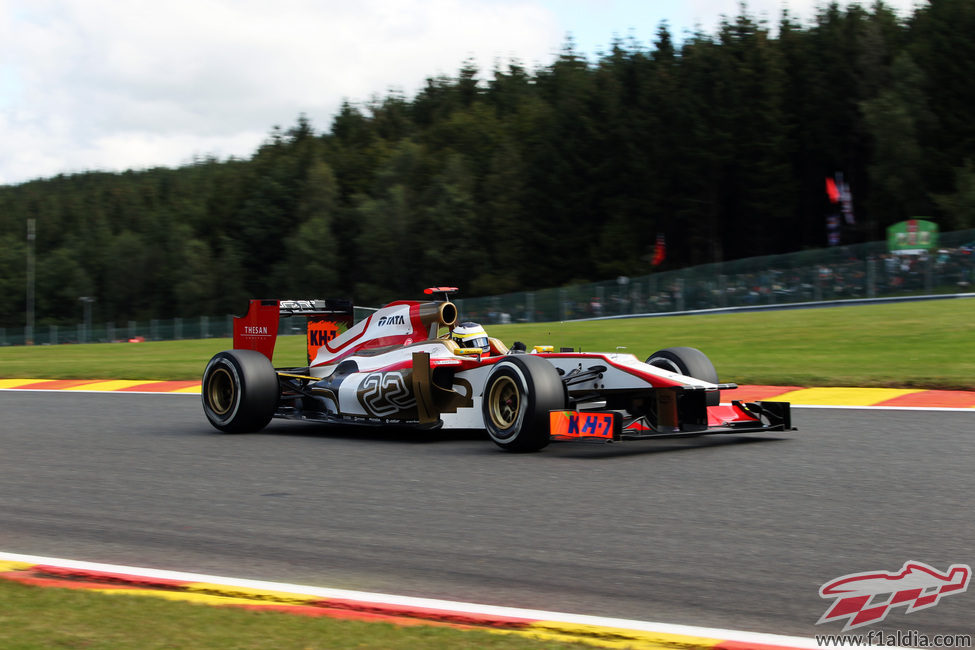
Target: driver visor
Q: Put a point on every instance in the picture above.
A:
(479, 342)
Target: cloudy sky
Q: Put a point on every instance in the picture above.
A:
(110, 85)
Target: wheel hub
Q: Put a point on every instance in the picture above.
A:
(220, 391)
(505, 402)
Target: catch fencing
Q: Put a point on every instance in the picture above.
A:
(838, 273)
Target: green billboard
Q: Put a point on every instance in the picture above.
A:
(912, 236)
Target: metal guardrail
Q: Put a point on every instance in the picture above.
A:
(793, 305)
(153, 330)
(825, 276)
(174, 329)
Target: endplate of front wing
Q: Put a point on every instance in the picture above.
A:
(606, 426)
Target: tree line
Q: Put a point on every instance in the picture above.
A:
(528, 178)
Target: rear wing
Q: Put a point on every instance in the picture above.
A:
(258, 329)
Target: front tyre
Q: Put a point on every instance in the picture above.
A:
(240, 391)
(518, 395)
(689, 362)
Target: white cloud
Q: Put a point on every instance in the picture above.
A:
(109, 84)
(103, 84)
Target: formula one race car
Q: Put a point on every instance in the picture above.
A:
(411, 364)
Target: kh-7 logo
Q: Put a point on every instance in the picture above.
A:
(591, 425)
(866, 598)
(572, 424)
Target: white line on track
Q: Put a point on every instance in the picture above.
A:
(407, 601)
(952, 409)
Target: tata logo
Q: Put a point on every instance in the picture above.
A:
(391, 320)
(255, 330)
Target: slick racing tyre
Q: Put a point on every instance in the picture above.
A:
(240, 391)
(518, 395)
(689, 362)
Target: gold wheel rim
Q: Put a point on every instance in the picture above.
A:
(505, 402)
(220, 391)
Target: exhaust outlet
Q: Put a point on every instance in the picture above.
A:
(433, 315)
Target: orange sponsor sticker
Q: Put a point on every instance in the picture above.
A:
(319, 333)
(573, 425)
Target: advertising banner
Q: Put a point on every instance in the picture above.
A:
(913, 236)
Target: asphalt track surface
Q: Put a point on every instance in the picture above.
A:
(730, 532)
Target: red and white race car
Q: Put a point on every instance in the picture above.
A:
(410, 364)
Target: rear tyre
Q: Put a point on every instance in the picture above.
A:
(518, 395)
(240, 391)
(689, 362)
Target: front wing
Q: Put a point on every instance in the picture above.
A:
(615, 426)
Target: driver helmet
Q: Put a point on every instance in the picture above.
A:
(470, 335)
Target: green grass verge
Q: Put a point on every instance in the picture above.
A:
(918, 344)
(42, 617)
